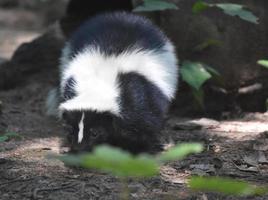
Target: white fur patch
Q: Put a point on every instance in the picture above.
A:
(81, 129)
(96, 76)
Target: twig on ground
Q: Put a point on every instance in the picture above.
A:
(37, 190)
(16, 180)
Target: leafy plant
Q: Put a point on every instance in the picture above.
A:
(263, 63)
(228, 8)
(123, 164)
(155, 5)
(8, 136)
(115, 161)
(225, 186)
(195, 74)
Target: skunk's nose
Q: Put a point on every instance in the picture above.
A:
(76, 148)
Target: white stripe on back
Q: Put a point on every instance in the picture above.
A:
(96, 76)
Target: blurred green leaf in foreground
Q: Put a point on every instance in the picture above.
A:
(225, 186)
(122, 163)
(263, 63)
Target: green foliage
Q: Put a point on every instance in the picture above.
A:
(115, 161)
(8, 136)
(3, 138)
(180, 151)
(194, 73)
(237, 10)
(199, 6)
(155, 5)
(263, 63)
(199, 96)
(226, 186)
(122, 163)
(228, 8)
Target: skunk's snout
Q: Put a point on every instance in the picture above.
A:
(80, 148)
(76, 147)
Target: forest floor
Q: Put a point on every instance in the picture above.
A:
(236, 148)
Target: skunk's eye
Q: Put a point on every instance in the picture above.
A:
(94, 132)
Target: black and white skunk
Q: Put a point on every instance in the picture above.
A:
(118, 75)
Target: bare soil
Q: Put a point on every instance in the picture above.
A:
(236, 148)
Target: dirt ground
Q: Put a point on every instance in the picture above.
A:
(236, 148)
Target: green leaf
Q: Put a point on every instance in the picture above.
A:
(180, 151)
(195, 74)
(237, 10)
(199, 6)
(155, 5)
(115, 161)
(228, 8)
(9, 135)
(3, 138)
(225, 186)
(264, 63)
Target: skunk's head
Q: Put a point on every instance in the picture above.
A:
(87, 129)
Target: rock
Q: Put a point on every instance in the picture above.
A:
(41, 54)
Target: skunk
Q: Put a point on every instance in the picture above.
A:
(118, 75)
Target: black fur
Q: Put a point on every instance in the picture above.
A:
(98, 129)
(115, 33)
(143, 110)
(142, 104)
